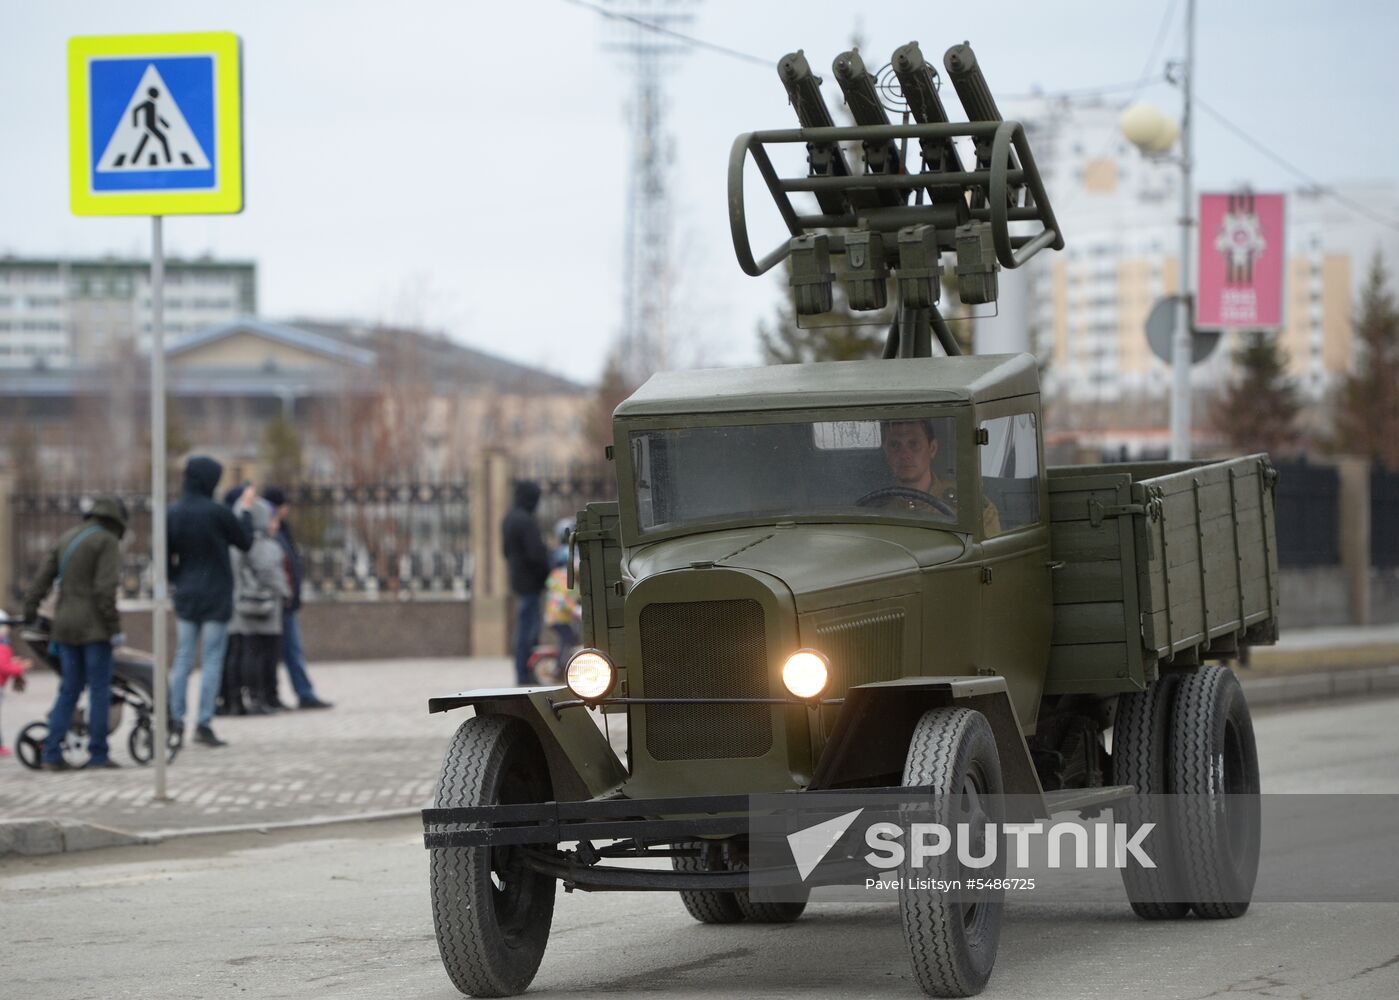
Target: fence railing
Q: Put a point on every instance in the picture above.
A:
(381, 540)
(1308, 514)
(1384, 518)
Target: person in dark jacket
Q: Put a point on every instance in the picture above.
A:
(201, 530)
(292, 654)
(528, 562)
(86, 567)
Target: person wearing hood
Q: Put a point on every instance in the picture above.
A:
(201, 531)
(85, 566)
(260, 588)
(528, 562)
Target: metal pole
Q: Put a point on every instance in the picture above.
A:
(159, 584)
(1182, 350)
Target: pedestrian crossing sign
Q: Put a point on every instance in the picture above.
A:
(155, 124)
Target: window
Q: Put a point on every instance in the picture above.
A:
(901, 465)
(1010, 472)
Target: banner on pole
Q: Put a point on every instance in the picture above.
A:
(1242, 257)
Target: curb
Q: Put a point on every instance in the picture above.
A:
(32, 837)
(38, 837)
(1343, 682)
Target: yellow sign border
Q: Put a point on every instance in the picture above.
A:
(227, 196)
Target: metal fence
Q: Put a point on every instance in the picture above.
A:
(391, 539)
(1384, 518)
(381, 540)
(1308, 509)
(564, 492)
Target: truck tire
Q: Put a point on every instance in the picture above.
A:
(491, 913)
(952, 941)
(1141, 751)
(708, 906)
(1214, 768)
(784, 912)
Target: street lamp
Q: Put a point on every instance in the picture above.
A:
(1155, 133)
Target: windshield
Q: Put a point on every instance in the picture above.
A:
(905, 464)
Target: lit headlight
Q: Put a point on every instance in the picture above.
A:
(590, 675)
(806, 673)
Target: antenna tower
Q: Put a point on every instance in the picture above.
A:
(647, 264)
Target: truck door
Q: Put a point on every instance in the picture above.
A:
(1017, 603)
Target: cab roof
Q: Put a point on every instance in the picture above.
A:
(975, 378)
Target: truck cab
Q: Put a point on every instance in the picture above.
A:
(891, 517)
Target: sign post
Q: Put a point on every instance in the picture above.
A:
(155, 127)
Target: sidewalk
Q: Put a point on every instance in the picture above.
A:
(377, 750)
(1333, 647)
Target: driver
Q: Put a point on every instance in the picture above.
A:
(909, 449)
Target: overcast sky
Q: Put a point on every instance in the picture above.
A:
(462, 165)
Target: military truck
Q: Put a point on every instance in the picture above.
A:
(862, 575)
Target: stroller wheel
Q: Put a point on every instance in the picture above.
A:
(544, 667)
(30, 745)
(139, 743)
(29, 748)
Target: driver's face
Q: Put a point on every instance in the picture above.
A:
(909, 451)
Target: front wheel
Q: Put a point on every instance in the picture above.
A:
(491, 912)
(953, 937)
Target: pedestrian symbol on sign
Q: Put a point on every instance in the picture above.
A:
(152, 134)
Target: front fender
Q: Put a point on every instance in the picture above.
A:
(582, 765)
(871, 735)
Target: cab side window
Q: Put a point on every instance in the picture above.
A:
(1010, 469)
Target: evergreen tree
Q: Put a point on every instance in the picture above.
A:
(613, 387)
(281, 452)
(838, 335)
(1258, 410)
(1367, 403)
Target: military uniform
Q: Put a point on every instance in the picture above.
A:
(947, 491)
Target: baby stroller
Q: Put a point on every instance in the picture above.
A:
(133, 686)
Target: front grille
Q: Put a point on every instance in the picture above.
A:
(863, 650)
(705, 649)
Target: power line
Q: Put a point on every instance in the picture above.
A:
(1155, 51)
(1358, 207)
(660, 29)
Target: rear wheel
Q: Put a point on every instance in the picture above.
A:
(1214, 769)
(491, 913)
(1141, 757)
(708, 906)
(769, 912)
(29, 747)
(953, 937)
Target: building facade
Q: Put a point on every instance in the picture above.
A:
(1084, 310)
(60, 312)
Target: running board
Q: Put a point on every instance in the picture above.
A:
(1079, 799)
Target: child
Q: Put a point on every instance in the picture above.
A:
(11, 667)
(562, 611)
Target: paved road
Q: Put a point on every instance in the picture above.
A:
(345, 914)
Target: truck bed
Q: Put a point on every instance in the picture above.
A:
(1162, 562)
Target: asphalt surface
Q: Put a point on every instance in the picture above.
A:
(343, 912)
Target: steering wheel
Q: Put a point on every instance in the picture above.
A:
(907, 493)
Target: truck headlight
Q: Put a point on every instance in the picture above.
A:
(590, 675)
(806, 673)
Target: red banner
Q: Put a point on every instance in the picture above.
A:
(1241, 253)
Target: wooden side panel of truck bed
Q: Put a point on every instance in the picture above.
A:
(1158, 560)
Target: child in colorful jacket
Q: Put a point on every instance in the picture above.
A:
(12, 669)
